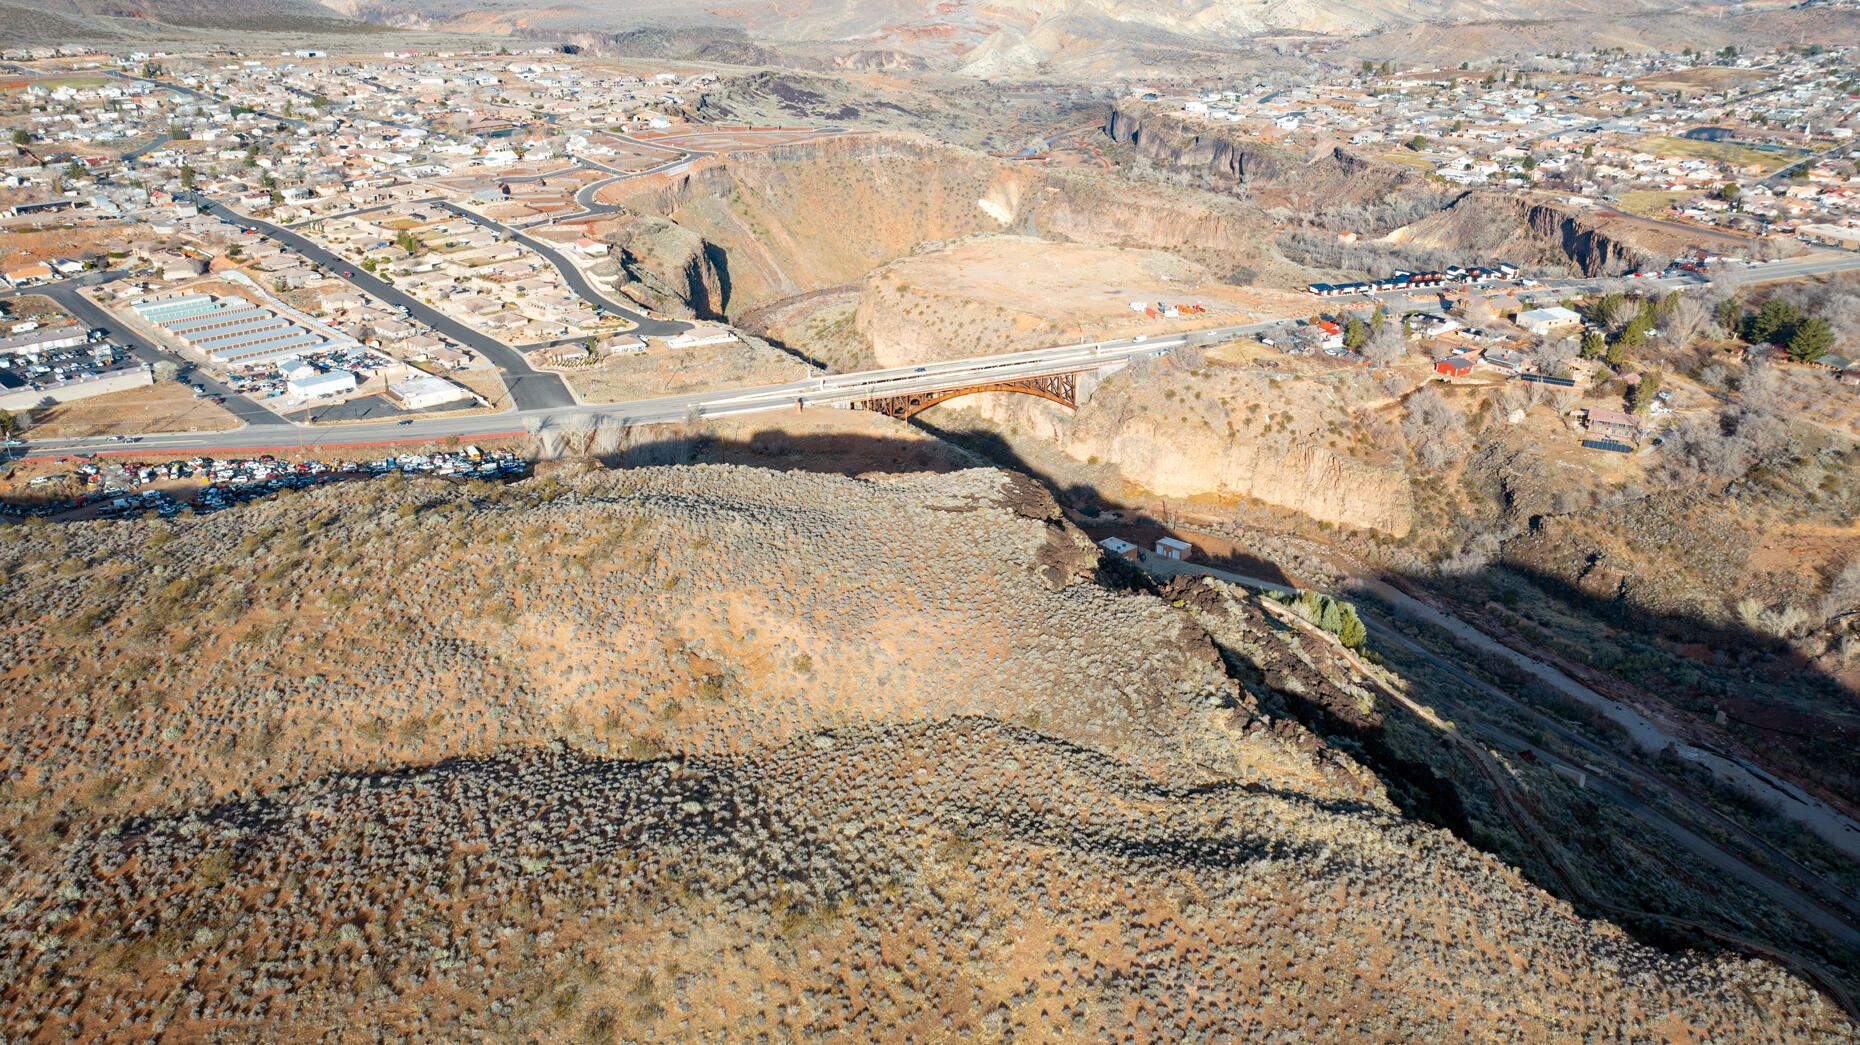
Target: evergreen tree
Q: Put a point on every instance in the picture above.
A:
(1330, 617)
(1729, 314)
(1775, 321)
(1351, 632)
(1641, 396)
(1812, 339)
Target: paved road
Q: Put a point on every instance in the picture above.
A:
(839, 389)
(135, 154)
(529, 389)
(578, 282)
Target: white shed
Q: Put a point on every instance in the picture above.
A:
(1119, 547)
(1170, 548)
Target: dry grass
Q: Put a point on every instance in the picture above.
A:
(1722, 152)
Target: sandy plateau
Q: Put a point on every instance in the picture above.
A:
(997, 293)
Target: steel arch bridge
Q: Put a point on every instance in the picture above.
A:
(1054, 388)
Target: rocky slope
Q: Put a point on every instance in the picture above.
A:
(707, 753)
(1535, 234)
(665, 267)
(1328, 178)
(1361, 195)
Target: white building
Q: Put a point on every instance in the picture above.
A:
(333, 382)
(1546, 321)
(423, 392)
(700, 336)
(1119, 547)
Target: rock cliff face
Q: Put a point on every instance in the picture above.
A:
(1148, 427)
(667, 267)
(1523, 232)
(1329, 178)
(1487, 224)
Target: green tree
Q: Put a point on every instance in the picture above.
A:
(1330, 616)
(21, 136)
(1729, 192)
(11, 424)
(1730, 314)
(1529, 164)
(1668, 307)
(187, 176)
(1588, 152)
(1355, 332)
(1812, 339)
(1417, 143)
(1351, 632)
(1616, 356)
(1635, 333)
(1775, 321)
(1593, 344)
(1641, 396)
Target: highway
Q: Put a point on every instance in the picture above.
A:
(831, 390)
(537, 405)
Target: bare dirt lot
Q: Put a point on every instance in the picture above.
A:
(27, 246)
(161, 407)
(1001, 292)
(668, 371)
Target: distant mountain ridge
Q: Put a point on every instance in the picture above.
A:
(106, 18)
(991, 37)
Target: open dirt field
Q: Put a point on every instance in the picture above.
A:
(1694, 81)
(1723, 152)
(1071, 284)
(162, 407)
(25, 247)
(668, 371)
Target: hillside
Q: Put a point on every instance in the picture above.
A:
(711, 752)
